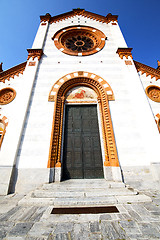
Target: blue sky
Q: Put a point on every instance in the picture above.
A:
(139, 21)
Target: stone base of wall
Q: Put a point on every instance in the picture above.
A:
(27, 179)
(5, 175)
(24, 180)
(142, 177)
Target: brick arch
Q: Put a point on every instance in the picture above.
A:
(62, 87)
(4, 121)
(61, 81)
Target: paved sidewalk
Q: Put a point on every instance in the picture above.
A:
(134, 221)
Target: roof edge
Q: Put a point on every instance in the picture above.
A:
(78, 12)
(11, 72)
(153, 72)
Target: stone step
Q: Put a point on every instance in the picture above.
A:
(84, 193)
(70, 184)
(89, 201)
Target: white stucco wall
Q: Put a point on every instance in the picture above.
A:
(130, 108)
(31, 115)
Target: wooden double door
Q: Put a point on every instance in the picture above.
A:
(82, 157)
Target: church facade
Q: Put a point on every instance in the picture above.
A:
(79, 107)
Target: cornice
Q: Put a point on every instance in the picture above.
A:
(148, 70)
(14, 71)
(1, 70)
(158, 62)
(79, 12)
(124, 52)
(33, 53)
(45, 18)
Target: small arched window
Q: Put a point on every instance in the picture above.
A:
(2, 131)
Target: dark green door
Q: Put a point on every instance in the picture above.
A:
(82, 156)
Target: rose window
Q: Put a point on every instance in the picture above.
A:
(80, 41)
(7, 95)
(153, 92)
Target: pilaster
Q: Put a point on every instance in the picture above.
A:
(41, 33)
(29, 75)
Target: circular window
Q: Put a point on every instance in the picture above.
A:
(7, 95)
(79, 41)
(153, 92)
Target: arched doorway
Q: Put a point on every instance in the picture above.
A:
(82, 155)
(59, 95)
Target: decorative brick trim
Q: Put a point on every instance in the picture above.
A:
(153, 92)
(45, 18)
(4, 121)
(1, 70)
(12, 72)
(33, 53)
(96, 36)
(111, 158)
(128, 62)
(32, 64)
(158, 62)
(61, 81)
(124, 52)
(158, 121)
(79, 12)
(148, 70)
(7, 95)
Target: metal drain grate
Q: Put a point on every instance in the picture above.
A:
(85, 210)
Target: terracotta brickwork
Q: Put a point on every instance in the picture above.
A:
(60, 82)
(128, 62)
(109, 18)
(12, 72)
(3, 125)
(153, 92)
(67, 83)
(124, 52)
(7, 95)
(79, 41)
(33, 53)
(158, 121)
(148, 70)
(32, 64)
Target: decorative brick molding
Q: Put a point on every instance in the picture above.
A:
(79, 12)
(61, 81)
(128, 62)
(32, 64)
(3, 125)
(124, 52)
(157, 117)
(12, 72)
(45, 18)
(1, 70)
(148, 70)
(33, 53)
(7, 95)
(79, 40)
(153, 92)
(67, 83)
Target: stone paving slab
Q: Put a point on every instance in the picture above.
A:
(135, 220)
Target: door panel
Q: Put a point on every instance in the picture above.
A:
(82, 156)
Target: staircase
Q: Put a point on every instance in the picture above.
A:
(83, 192)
